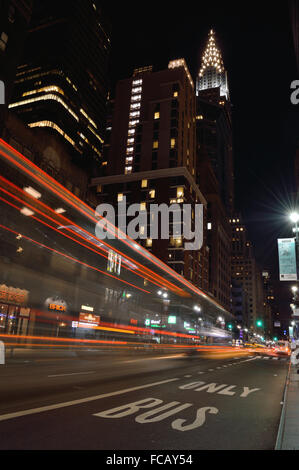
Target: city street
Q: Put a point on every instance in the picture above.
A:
(142, 402)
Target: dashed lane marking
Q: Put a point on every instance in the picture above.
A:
(65, 404)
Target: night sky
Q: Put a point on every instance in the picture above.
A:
(256, 43)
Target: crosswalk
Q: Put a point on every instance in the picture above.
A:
(273, 358)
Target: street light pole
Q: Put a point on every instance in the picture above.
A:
(294, 216)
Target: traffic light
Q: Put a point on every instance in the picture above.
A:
(230, 326)
(259, 323)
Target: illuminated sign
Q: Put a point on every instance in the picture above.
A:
(287, 259)
(13, 295)
(88, 318)
(114, 262)
(58, 308)
(172, 319)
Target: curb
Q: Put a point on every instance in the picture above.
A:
(283, 412)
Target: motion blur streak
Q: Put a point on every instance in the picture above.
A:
(73, 259)
(143, 272)
(46, 179)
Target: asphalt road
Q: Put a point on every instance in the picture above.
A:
(141, 403)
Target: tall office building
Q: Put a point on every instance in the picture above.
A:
(218, 234)
(215, 165)
(14, 21)
(152, 157)
(247, 274)
(61, 83)
(214, 122)
(212, 73)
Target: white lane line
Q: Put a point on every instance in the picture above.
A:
(210, 370)
(153, 358)
(32, 411)
(187, 376)
(200, 372)
(73, 373)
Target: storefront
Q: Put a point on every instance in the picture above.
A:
(14, 314)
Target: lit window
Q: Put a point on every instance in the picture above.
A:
(136, 98)
(156, 115)
(131, 140)
(209, 226)
(53, 126)
(48, 96)
(137, 82)
(155, 144)
(131, 131)
(135, 105)
(172, 143)
(129, 160)
(143, 206)
(136, 90)
(135, 114)
(45, 89)
(144, 183)
(149, 242)
(152, 193)
(175, 94)
(180, 192)
(130, 150)
(120, 197)
(3, 41)
(128, 170)
(176, 241)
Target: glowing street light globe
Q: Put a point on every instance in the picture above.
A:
(294, 216)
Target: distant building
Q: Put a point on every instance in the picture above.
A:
(214, 165)
(61, 83)
(247, 274)
(214, 122)
(14, 21)
(212, 73)
(151, 155)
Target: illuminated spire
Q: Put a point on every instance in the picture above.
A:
(212, 56)
(212, 73)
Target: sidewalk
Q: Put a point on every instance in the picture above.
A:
(288, 434)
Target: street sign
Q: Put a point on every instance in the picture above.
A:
(287, 259)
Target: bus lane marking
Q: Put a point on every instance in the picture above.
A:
(221, 389)
(159, 414)
(56, 406)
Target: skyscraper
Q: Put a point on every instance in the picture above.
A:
(62, 81)
(212, 73)
(214, 165)
(14, 20)
(246, 274)
(152, 156)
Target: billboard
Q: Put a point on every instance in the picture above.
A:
(287, 259)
